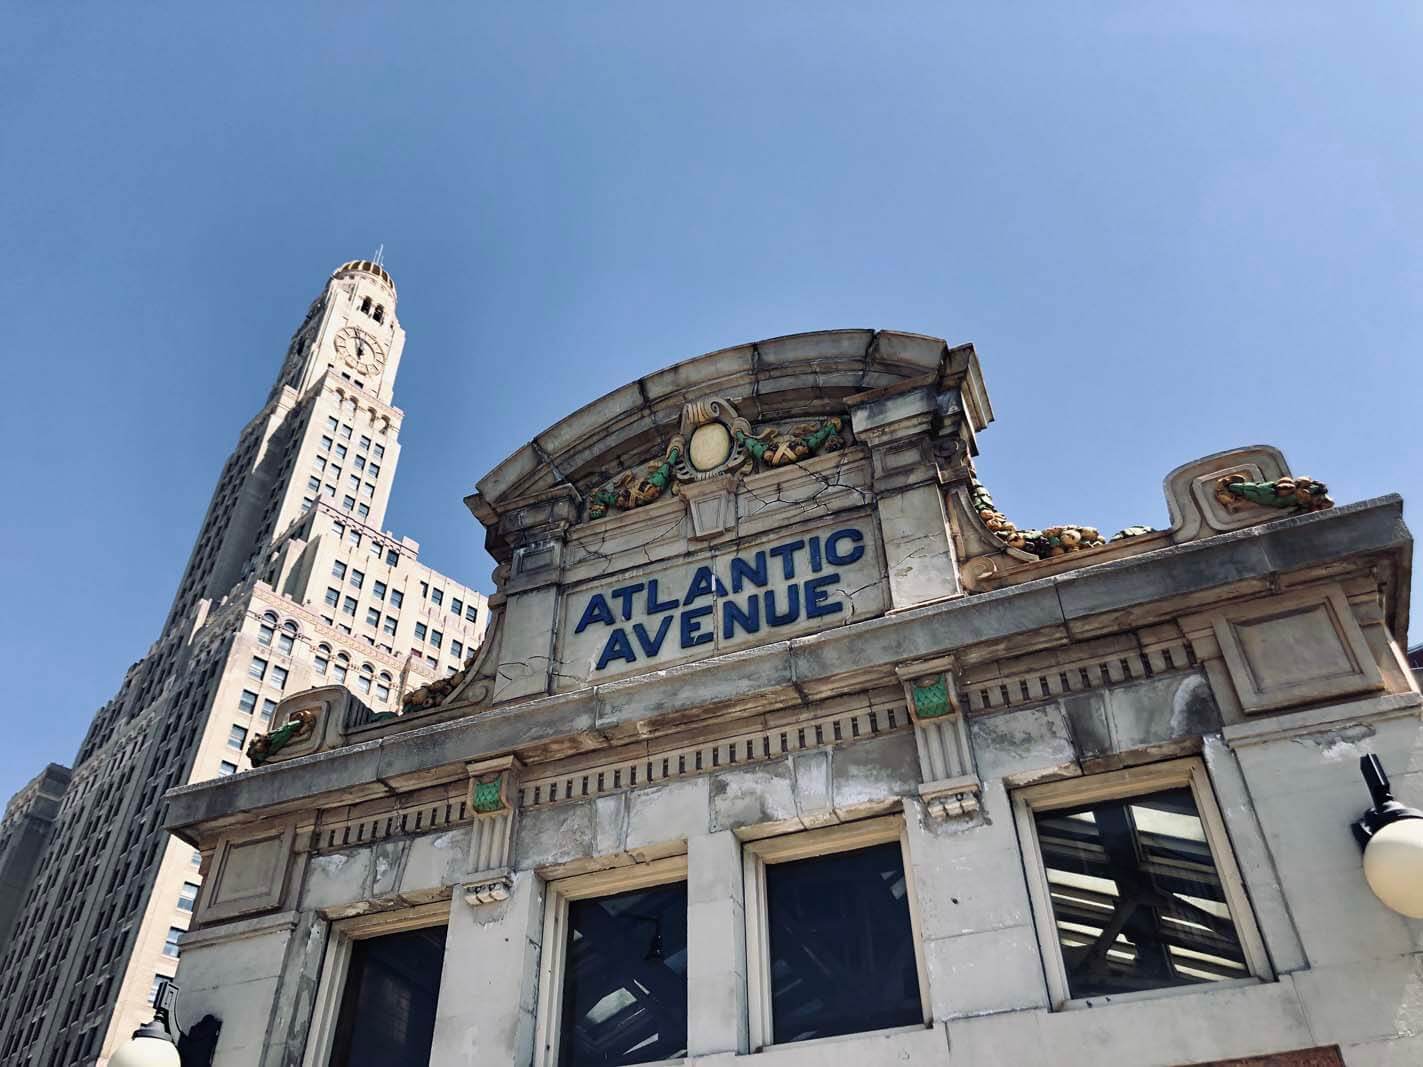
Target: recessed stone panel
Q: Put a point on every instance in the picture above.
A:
(247, 875)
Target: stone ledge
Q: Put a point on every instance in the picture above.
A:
(857, 655)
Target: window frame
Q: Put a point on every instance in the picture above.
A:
(807, 844)
(334, 967)
(1123, 785)
(558, 892)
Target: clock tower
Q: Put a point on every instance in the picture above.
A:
(350, 330)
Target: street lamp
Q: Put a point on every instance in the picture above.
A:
(1391, 836)
(152, 1044)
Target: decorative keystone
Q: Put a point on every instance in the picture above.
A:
(489, 795)
(491, 785)
(931, 697)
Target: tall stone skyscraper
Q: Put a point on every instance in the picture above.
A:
(292, 583)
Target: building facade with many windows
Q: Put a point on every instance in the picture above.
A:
(786, 747)
(293, 583)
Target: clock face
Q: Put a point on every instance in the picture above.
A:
(361, 351)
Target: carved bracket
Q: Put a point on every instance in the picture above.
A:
(493, 785)
(951, 786)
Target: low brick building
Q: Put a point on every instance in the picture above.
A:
(785, 746)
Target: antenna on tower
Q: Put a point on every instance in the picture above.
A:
(380, 255)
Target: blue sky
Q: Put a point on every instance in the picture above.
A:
(1169, 229)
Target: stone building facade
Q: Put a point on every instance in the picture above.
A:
(293, 582)
(786, 747)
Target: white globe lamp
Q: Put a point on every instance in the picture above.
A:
(1391, 836)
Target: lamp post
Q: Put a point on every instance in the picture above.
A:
(1391, 836)
(152, 1044)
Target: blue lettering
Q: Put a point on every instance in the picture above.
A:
(753, 572)
(596, 611)
(844, 559)
(624, 593)
(787, 553)
(702, 585)
(655, 606)
(817, 593)
(815, 564)
(731, 615)
(692, 633)
(792, 607)
(653, 645)
(618, 647)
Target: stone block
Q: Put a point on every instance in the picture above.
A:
(337, 878)
(812, 787)
(1022, 744)
(435, 861)
(555, 834)
(920, 558)
(984, 972)
(673, 812)
(871, 773)
(751, 796)
(1365, 1001)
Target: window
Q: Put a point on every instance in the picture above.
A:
(1133, 884)
(456, 605)
(848, 879)
(257, 668)
(363, 683)
(348, 502)
(313, 483)
(390, 624)
(359, 463)
(354, 536)
(384, 1002)
(365, 442)
(170, 943)
(333, 596)
(358, 578)
(456, 647)
(345, 432)
(326, 443)
(225, 768)
(321, 660)
(392, 557)
(354, 481)
(432, 662)
(264, 634)
(338, 569)
(197, 858)
(320, 463)
(469, 612)
(364, 511)
(420, 631)
(614, 988)
(378, 590)
(269, 706)
(368, 490)
(329, 490)
(279, 677)
(372, 616)
(335, 473)
(349, 605)
(396, 598)
(340, 451)
(379, 451)
(424, 590)
(236, 738)
(247, 701)
(331, 423)
(437, 638)
(186, 896)
(286, 640)
(437, 596)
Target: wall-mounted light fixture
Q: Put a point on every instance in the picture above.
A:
(1391, 836)
(152, 1044)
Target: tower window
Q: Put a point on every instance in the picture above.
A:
(366, 305)
(379, 313)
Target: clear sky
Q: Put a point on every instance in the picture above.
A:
(1169, 229)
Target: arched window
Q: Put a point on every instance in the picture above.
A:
(366, 305)
(363, 682)
(322, 659)
(287, 638)
(338, 672)
(379, 313)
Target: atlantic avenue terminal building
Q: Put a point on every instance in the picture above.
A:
(786, 745)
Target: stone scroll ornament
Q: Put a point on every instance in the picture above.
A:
(713, 440)
(1050, 540)
(264, 746)
(1302, 494)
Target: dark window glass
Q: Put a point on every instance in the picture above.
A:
(1136, 897)
(625, 979)
(841, 946)
(388, 1005)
